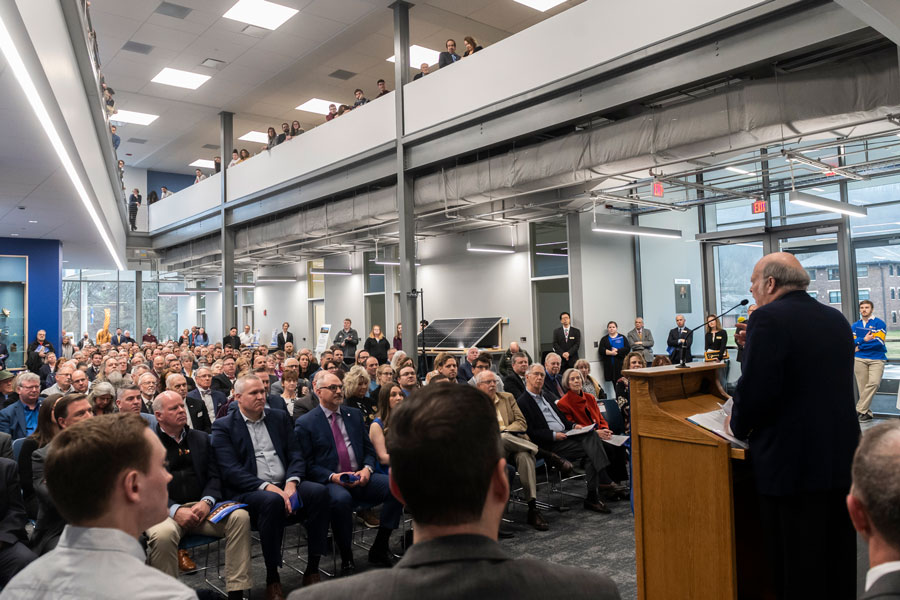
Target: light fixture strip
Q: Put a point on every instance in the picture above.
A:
(820, 203)
(636, 230)
(822, 166)
(8, 47)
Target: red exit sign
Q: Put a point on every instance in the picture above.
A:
(658, 191)
(759, 207)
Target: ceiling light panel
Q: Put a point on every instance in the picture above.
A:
(255, 136)
(260, 13)
(135, 118)
(179, 78)
(316, 105)
(203, 163)
(541, 5)
(419, 55)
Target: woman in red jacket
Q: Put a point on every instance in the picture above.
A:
(582, 409)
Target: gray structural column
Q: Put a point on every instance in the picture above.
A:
(226, 135)
(139, 302)
(405, 199)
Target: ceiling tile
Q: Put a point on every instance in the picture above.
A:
(164, 37)
(345, 11)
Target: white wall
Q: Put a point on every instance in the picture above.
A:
(187, 313)
(344, 295)
(275, 303)
(189, 201)
(663, 261)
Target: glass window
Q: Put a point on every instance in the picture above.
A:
(549, 249)
(374, 274)
(813, 294)
(893, 294)
(150, 305)
(862, 270)
(812, 274)
(126, 308)
(71, 308)
(167, 329)
(834, 297)
(315, 283)
(893, 316)
(834, 274)
(863, 294)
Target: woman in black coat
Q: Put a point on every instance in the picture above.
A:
(377, 345)
(716, 339)
(613, 348)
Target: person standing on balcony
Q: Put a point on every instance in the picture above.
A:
(134, 203)
(870, 357)
(450, 56)
(200, 176)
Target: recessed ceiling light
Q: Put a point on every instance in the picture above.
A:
(204, 163)
(255, 136)
(14, 234)
(818, 190)
(739, 171)
(541, 5)
(135, 118)
(316, 105)
(32, 221)
(179, 78)
(260, 13)
(419, 55)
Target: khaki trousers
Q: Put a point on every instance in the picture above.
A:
(868, 373)
(522, 451)
(235, 528)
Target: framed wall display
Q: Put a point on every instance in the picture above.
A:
(14, 308)
(683, 296)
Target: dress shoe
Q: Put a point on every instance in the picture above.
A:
(311, 578)
(614, 491)
(185, 562)
(561, 464)
(368, 518)
(274, 591)
(348, 568)
(596, 505)
(863, 417)
(380, 558)
(536, 520)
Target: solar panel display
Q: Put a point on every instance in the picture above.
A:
(454, 334)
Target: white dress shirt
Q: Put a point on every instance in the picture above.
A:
(269, 467)
(96, 563)
(879, 570)
(206, 396)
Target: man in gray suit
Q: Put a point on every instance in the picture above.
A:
(872, 503)
(456, 512)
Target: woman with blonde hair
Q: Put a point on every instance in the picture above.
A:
(356, 384)
(591, 386)
(102, 398)
(377, 345)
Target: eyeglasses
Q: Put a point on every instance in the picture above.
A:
(332, 388)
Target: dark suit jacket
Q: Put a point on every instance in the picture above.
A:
(6, 446)
(305, 404)
(235, 456)
(313, 431)
(117, 339)
(272, 402)
(514, 385)
(538, 431)
(466, 566)
(571, 345)
(49, 524)
(218, 398)
(795, 399)
(222, 384)
(233, 340)
(12, 420)
(549, 390)
(200, 416)
(446, 59)
(282, 340)
(204, 463)
(886, 587)
(12, 509)
(672, 342)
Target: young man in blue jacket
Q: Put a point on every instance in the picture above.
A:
(871, 355)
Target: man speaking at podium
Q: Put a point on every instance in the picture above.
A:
(795, 404)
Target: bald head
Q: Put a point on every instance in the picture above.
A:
(777, 274)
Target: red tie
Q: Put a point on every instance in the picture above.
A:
(340, 445)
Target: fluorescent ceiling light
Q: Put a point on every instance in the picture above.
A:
(419, 55)
(328, 271)
(541, 5)
(8, 47)
(564, 255)
(821, 203)
(550, 243)
(823, 166)
(275, 279)
(260, 13)
(636, 230)
(202, 290)
(494, 248)
(240, 286)
(255, 136)
(736, 170)
(204, 163)
(135, 118)
(818, 190)
(317, 105)
(390, 262)
(176, 294)
(179, 78)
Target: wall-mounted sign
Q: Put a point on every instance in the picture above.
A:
(683, 296)
(759, 207)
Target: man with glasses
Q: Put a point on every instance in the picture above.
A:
(80, 383)
(63, 383)
(197, 415)
(407, 380)
(291, 365)
(20, 418)
(148, 384)
(548, 427)
(481, 364)
(340, 455)
(515, 442)
(212, 399)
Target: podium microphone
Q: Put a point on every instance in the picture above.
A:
(690, 334)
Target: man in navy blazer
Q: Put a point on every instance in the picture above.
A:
(337, 448)
(20, 418)
(212, 399)
(795, 404)
(262, 466)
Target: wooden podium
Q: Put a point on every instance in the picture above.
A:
(695, 510)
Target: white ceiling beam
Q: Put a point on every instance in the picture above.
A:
(881, 15)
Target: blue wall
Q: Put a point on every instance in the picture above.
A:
(44, 284)
(174, 182)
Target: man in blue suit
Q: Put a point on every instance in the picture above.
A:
(262, 467)
(20, 418)
(795, 404)
(339, 454)
(212, 399)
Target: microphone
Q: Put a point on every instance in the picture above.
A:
(690, 334)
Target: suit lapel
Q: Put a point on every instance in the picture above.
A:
(353, 433)
(242, 435)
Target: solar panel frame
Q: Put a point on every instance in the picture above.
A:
(456, 334)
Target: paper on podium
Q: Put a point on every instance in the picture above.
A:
(715, 421)
(572, 432)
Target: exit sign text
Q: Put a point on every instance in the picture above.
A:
(759, 207)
